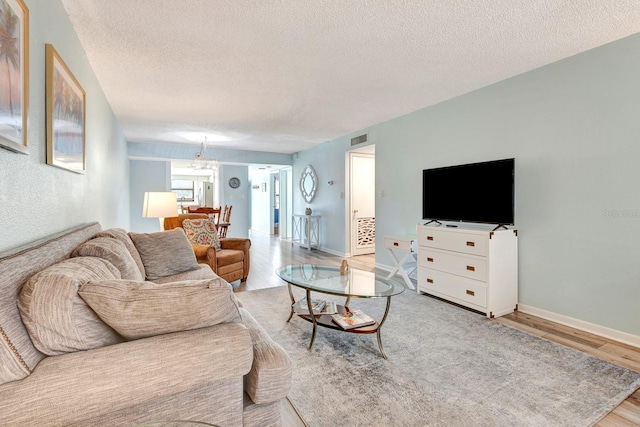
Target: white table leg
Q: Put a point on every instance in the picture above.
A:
(395, 261)
(399, 268)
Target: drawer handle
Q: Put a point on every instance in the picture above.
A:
(395, 244)
(430, 259)
(470, 292)
(471, 243)
(471, 268)
(429, 280)
(429, 237)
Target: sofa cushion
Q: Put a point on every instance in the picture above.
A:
(203, 273)
(57, 319)
(164, 253)
(201, 231)
(122, 235)
(113, 251)
(143, 309)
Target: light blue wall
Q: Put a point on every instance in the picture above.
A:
(37, 200)
(236, 197)
(328, 160)
(146, 176)
(574, 130)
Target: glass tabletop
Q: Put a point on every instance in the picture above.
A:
(326, 279)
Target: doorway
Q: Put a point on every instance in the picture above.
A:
(270, 199)
(275, 203)
(362, 207)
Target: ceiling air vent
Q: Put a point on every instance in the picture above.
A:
(359, 139)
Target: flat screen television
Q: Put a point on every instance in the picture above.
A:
(476, 192)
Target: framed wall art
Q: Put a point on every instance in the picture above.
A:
(14, 75)
(66, 113)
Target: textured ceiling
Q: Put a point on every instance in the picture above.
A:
(284, 75)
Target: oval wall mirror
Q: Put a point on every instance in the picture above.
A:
(308, 183)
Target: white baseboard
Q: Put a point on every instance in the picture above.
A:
(332, 252)
(602, 331)
(384, 267)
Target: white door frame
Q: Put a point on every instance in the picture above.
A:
(286, 202)
(368, 151)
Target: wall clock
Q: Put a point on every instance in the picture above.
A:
(234, 182)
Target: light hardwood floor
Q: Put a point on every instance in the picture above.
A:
(268, 253)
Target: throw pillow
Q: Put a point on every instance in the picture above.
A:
(201, 231)
(113, 251)
(57, 319)
(121, 235)
(165, 253)
(143, 309)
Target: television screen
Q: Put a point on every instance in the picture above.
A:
(477, 192)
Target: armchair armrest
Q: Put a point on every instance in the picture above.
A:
(206, 254)
(202, 252)
(240, 245)
(235, 243)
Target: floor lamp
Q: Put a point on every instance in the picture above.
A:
(160, 205)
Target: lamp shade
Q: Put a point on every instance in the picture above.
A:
(159, 205)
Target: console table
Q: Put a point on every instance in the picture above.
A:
(306, 231)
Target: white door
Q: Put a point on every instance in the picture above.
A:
(363, 205)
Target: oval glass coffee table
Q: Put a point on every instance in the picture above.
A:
(328, 280)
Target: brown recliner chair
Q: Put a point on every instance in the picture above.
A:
(231, 263)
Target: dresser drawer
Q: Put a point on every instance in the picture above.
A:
(468, 243)
(473, 267)
(400, 244)
(452, 286)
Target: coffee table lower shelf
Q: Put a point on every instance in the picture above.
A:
(326, 321)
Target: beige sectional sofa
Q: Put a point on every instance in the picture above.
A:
(64, 363)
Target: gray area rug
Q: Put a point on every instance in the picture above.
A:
(447, 367)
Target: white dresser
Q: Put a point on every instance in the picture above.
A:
(475, 268)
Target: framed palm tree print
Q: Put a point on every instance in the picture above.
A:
(65, 115)
(14, 74)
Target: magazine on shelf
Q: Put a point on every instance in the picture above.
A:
(352, 319)
(330, 308)
(301, 306)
